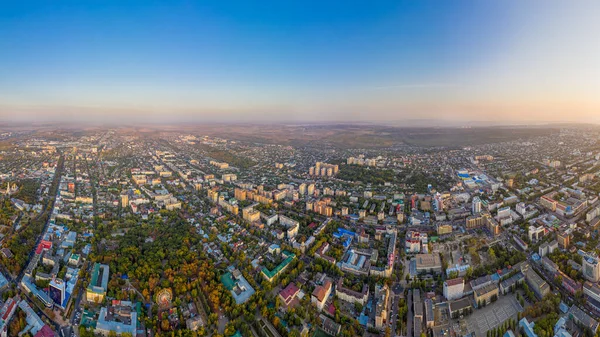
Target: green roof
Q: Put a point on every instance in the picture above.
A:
(95, 274)
(98, 275)
(87, 319)
(272, 273)
(227, 281)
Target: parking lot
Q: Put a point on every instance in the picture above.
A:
(493, 315)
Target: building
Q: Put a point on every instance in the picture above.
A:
(569, 284)
(547, 248)
(429, 316)
(250, 214)
(302, 189)
(29, 286)
(563, 239)
(486, 295)
(592, 290)
(289, 293)
(580, 317)
(417, 304)
(476, 205)
(504, 212)
(237, 285)
(328, 325)
(511, 283)
(229, 177)
(239, 194)
(414, 240)
(591, 268)
(350, 295)
(454, 288)
(57, 291)
(124, 200)
(321, 293)
(428, 263)
(293, 231)
(269, 219)
(527, 327)
(35, 325)
(549, 265)
(120, 317)
(460, 307)
(536, 283)
(96, 290)
(522, 244)
(6, 314)
(356, 262)
(481, 282)
(483, 219)
(548, 202)
(382, 307)
(536, 233)
(270, 275)
(444, 228)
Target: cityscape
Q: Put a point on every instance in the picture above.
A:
(300, 168)
(144, 232)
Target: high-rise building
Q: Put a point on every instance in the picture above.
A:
(57, 292)
(591, 268)
(124, 200)
(563, 239)
(476, 205)
(239, 194)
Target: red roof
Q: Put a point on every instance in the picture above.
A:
(43, 245)
(331, 309)
(289, 292)
(8, 310)
(454, 281)
(45, 331)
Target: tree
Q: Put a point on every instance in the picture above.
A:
(164, 325)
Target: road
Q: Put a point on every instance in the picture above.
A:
(394, 312)
(409, 319)
(72, 319)
(49, 208)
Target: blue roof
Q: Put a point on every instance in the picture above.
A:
(363, 320)
(527, 327)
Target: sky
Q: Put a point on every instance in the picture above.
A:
(498, 61)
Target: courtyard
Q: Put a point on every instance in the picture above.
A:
(493, 315)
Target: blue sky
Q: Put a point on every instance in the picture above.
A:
(299, 60)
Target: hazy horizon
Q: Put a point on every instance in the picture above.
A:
(463, 62)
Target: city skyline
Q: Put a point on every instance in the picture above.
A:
(497, 62)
